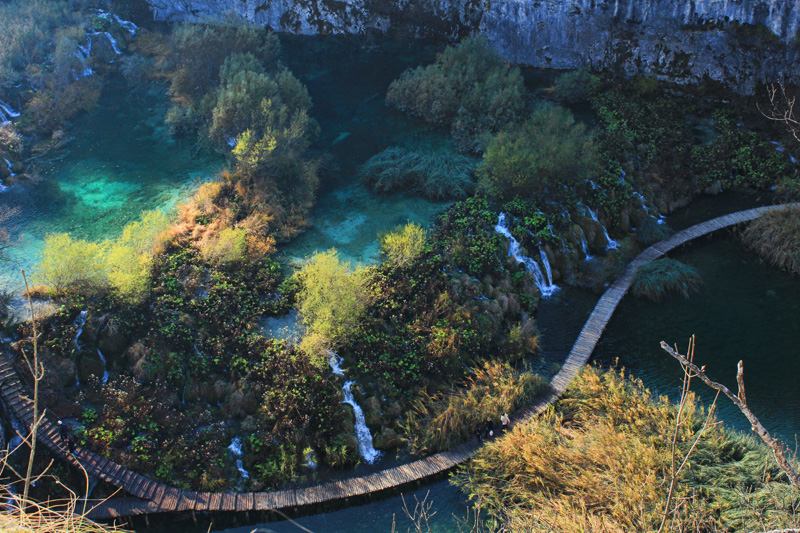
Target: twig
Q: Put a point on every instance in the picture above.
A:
(778, 448)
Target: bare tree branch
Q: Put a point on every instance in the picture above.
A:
(779, 449)
(781, 108)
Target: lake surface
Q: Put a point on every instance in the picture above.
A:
(121, 161)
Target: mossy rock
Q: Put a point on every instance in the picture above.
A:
(388, 439)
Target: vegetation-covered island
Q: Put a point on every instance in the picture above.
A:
(258, 261)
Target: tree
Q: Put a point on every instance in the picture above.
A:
(332, 300)
(71, 265)
(404, 244)
(548, 149)
(781, 108)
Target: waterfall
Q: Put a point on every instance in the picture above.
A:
(612, 244)
(585, 246)
(9, 165)
(779, 148)
(335, 361)
(128, 25)
(547, 270)
(311, 460)
(236, 449)
(80, 321)
(363, 436)
(545, 287)
(6, 112)
(105, 366)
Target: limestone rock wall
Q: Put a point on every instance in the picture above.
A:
(739, 42)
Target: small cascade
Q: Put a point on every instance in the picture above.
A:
(612, 244)
(80, 321)
(335, 361)
(546, 286)
(10, 166)
(585, 246)
(128, 25)
(311, 460)
(779, 148)
(15, 442)
(236, 450)
(105, 366)
(546, 264)
(114, 44)
(7, 112)
(363, 436)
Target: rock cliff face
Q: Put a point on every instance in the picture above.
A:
(739, 42)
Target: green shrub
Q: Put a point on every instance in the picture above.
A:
(575, 86)
(776, 237)
(654, 279)
(331, 301)
(547, 150)
(469, 88)
(650, 231)
(403, 245)
(434, 174)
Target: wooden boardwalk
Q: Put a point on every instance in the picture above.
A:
(145, 496)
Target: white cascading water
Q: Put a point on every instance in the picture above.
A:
(546, 286)
(80, 321)
(7, 112)
(779, 148)
(10, 166)
(547, 270)
(335, 361)
(236, 449)
(363, 436)
(105, 366)
(612, 244)
(585, 246)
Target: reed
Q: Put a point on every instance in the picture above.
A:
(436, 175)
(654, 279)
(598, 460)
(775, 236)
(439, 421)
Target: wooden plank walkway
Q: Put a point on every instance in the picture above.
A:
(148, 496)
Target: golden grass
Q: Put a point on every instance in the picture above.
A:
(599, 461)
(443, 420)
(776, 237)
(56, 516)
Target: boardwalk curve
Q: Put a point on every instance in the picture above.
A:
(150, 496)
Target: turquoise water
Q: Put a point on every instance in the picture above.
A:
(120, 162)
(347, 78)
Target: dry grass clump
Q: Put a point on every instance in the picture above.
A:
(599, 460)
(776, 237)
(60, 516)
(443, 420)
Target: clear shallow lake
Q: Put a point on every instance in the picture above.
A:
(120, 162)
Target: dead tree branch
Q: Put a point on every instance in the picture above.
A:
(779, 449)
(781, 108)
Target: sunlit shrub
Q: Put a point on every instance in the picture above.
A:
(71, 265)
(403, 245)
(229, 246)
(332, 301)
